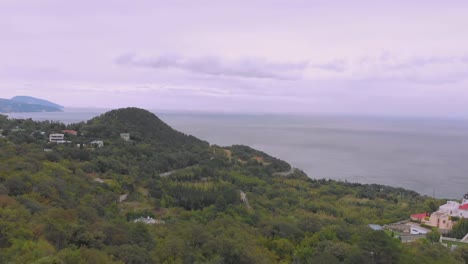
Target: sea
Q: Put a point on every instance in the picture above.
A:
(427, 155)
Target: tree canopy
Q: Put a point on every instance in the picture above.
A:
(77, 203)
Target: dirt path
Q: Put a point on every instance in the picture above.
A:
(285, 173)
(244, 199)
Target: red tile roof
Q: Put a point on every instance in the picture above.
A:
(463, 207)
(419, 216)
(72, 132)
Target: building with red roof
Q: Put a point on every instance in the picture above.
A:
(70, 132)
(419, 217)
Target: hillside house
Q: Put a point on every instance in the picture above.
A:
(145, 220)
(125, 136)
(97, 143)
(450, 208)
(17, 129)
(463, 210)
(70, 132)
(56, 138)
(149, 221)
(453, 208)
(442, 218)
(419, 217)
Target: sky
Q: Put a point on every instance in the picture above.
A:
(355, 57)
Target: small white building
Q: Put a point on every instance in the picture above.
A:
(17, 129)
(125, 136)
(149, 221)
(56, 138)
(145, 220)
(97, 143)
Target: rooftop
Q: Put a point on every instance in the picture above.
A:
(419, 216)
(375, 227)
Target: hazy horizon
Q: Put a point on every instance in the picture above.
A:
(93, 109)
(388, 58)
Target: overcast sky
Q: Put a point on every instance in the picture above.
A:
(369, 57)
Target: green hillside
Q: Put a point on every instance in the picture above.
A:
(77, 203)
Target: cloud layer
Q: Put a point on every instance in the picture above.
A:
(391, 57)
(389, 67)
(216, 66)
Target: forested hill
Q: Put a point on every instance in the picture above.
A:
(82, 202)
(142, 126)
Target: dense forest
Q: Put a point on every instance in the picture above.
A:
(77, 202)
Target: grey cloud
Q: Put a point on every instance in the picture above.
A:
(216, 66)
(418, 69)
(415, 62)
(335, 66)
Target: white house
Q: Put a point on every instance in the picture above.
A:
(57, 138)
(149, 221)
(145, 220)
(17, 129)
(450, 208)
(443, 218)
(453, 208)
(97, 143)
(125, 136)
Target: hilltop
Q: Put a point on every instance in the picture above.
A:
(28, 104)
(141, 124)
(156, 195)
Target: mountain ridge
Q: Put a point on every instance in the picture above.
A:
(36, 101)
(19, 104)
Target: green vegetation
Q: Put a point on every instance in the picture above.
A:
(460, 229)
(62, 206)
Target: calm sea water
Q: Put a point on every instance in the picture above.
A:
(429, 156)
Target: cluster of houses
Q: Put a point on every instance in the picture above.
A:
(444, 218)
(59, 138)
(421, 224)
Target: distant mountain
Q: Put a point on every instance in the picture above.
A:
(35, 101)
(28, 104)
